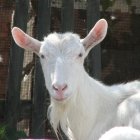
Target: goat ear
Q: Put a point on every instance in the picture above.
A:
(25, 41)
(96, 35)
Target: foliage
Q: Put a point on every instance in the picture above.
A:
(129, 2)
(7, 133)
(108, 3)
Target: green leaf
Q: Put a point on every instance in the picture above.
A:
(7, 133)
(106, 4)
(21, 134)
(129, 2)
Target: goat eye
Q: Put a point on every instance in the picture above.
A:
(80, 55)
(42, 56)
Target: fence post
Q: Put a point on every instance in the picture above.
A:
(67, 16)
(94, 58)
(39, 106)
(15, 67)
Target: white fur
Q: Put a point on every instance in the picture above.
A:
(121, 133)
(1, 58)
(87, 108)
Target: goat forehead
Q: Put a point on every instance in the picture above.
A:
(65, 43)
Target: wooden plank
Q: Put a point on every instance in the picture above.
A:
(67, 15)
(39, 97)
(2, 109)
(94, 58)
(15, 66)
(44, 18)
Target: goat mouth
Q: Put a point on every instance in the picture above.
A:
(60, 99)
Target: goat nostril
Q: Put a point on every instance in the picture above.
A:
(64, 87)
(59, 88)
(54, 87)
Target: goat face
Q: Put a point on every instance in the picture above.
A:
(62, 57)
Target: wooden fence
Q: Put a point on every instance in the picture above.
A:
(36, 108)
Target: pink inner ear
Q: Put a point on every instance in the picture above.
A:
(19, 37)
(96, 35)
(25, 41)
(100, 29)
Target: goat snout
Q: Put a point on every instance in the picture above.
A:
(59, 88)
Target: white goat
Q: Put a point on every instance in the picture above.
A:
(121, 133)
(84, 107)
